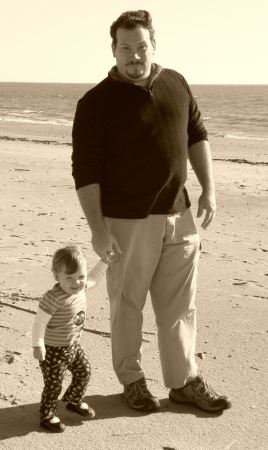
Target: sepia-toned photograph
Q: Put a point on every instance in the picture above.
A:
(134, 231)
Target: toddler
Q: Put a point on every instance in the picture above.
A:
(56, 334)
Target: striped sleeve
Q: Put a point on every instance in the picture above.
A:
(49, 303)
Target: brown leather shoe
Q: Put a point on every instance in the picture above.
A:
(137, 396)
(199, 393)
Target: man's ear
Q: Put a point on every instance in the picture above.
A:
(113, 49)
(154, 45)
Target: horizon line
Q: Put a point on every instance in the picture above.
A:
(94, 82)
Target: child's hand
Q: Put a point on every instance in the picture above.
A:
(111, 258)
(39, 353)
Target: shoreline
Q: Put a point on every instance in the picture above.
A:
(245, 151)
(36, 141)
(46, 142)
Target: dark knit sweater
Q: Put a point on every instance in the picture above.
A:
(133, 142)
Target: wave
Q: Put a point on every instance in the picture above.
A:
(29, 111)
(15, 117)
(233, 136)
(57, 122)
(250, 138)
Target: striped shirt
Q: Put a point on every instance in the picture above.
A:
(68, 316)
(61, 316)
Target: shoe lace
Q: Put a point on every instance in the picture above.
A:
(138, 389)
(205, 390)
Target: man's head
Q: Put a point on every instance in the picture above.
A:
(133, 44)
(130, 20)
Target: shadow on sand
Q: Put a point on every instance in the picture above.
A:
(17, 421)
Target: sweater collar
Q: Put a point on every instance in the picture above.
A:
(156, 69)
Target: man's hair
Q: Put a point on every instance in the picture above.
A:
(130, 20)
(69, 259)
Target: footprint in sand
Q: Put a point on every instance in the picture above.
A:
(29, 259)
(48, 240)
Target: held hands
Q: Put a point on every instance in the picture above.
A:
(111, 257)
(207, 202)
(106, 246)
(39, 353)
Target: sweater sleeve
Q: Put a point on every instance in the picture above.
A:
(96, 274)
(196, 130)
(88, 143)
(39, 328)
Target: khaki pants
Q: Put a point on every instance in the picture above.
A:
(159, 255)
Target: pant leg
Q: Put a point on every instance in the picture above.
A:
(81, 371)
(53, 369)
(173, 292)
(128, 282)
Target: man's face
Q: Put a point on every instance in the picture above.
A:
(133, 53)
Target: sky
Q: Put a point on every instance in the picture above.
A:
(209, 41)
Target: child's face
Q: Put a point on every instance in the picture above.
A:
(74, 282)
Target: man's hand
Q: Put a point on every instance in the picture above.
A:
(103, 242)
(106, 246)
(39, 353)
(201, 161)
(207, 202)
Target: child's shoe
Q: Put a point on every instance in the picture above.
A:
(82, 408)
(55, 427)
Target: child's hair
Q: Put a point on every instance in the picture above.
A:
(69, 259)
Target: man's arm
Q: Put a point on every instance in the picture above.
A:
(201, 162)
(103, 242)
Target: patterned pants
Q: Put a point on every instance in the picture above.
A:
(58, 361)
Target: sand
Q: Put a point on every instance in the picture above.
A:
(40, 212)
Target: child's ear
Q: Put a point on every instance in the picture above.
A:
(55, 275)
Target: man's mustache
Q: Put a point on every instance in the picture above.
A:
(134, 64)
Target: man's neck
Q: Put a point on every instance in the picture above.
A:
(155, 70)
(144, 83)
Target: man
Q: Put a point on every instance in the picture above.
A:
(132, 135)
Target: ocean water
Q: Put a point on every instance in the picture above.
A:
(234, 111)
(229, 111)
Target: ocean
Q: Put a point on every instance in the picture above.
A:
(229, 111)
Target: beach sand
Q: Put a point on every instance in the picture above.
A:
(40, 212)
